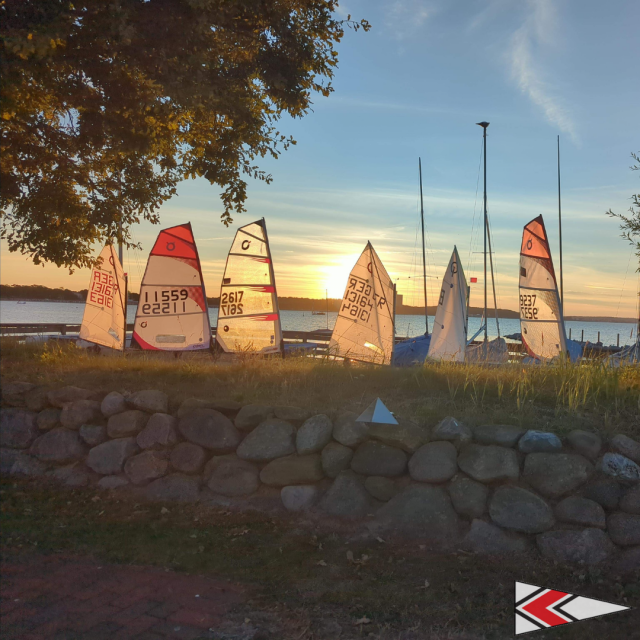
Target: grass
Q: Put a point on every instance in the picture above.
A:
(305, 571)
(559, 397)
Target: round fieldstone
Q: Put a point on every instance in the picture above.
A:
(48, 419)
(228, 408)
(146, 466)
(518, 509)
(59, 446)
(271, 439)
(539, 442)
(113, 482)
(314, 434)
(26, 465)
(486, 539)
(618, 466)
(348, 432)
(210, 429)
(588, 547)
(554, 474)
(624, 528)
(18, 428)
(75, 414)
(346, 497)
(92, 434)
(408, 437)
(374, 458)
(150, 400)
(299, 497)
(292, 470)
(335, 458)
(13, 393)
(577, 510)
(381, 488)
(434, 462)
(585, 443)
(295, 415)
(626, 446)
(174, 488)
(232, 477)
(489, 463)
(60, 397)
(188, 457)
(127, 423)
(7, 458)
(606, 493)
(631, 501)
(36, 399)
(503, 435)
(423, 509)
(451, 429)
(469, 498)
(73, 475)
(159, 432)
(113, 403)
(251, 415)
(109, 457)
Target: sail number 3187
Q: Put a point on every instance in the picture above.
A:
(528, 310)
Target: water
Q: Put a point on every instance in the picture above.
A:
(71, 313)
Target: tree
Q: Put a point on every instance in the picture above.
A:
(106, 106)
(630, 225)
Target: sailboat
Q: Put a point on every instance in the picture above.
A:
(365, 326)
(172, 312)
(449, 336)
(104, 318)
(248, 316)
(541, 321)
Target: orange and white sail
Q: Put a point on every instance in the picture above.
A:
(541, 321)
(172, 312)
(248, 315)
(104, 318)
(365, 327)
(449, 337)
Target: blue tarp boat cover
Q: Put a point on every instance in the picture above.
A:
(411, 352)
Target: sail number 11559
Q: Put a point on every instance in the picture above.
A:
(165, 301)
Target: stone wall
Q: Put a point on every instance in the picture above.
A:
(492, 489)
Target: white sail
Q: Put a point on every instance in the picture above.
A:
(248, 316)
(172, 312)
(449, 337)
(541, 321)
(104, 318)
(364, 329)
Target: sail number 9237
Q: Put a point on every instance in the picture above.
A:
(165, 301)
(231, 303)
(528, 309)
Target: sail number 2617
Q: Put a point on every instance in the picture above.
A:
(528, 310)
(231, 303)
(165, 301)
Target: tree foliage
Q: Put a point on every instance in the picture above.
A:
(630, 225)
(107, 105)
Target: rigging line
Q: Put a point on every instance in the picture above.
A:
(495, 257)
(624, 282)
(474, 208)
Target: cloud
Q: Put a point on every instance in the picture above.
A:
(405, 17)
(537, 32)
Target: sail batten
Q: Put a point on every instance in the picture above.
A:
(449, 336)
(172, 312)
(248, 315)
(364, 328)
(541, 318)
(104, 318)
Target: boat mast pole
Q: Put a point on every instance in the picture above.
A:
(560, 232)
(484, 126)
(121, 258)
(424, 255)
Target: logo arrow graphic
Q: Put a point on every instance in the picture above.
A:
(540, 608)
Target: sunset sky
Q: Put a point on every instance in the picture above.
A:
(415, 85)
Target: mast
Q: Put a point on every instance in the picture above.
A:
(484, 126)
(424, 256)
(560, 231)
(126, 277)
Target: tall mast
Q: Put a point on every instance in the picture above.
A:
(424, 256)
(484, 126)
(560, 231)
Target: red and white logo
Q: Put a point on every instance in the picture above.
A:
(540, 608)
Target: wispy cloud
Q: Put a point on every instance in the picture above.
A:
(405, 17)
(537, 32)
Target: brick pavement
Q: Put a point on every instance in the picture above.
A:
(62, 597)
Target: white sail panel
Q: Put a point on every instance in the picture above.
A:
(104, 319)
(541, 321)
(172, 312)
(449, 337)
(364, 328)
(248, 316)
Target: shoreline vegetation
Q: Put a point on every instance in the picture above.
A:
(40, 293)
